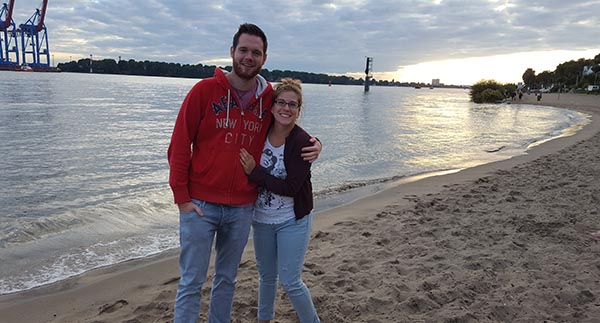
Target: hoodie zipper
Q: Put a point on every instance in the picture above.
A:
(239, 130)
(238, 133)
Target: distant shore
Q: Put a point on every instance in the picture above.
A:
(502, 242)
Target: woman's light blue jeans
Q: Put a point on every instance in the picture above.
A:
(231, 225)
(280, 250)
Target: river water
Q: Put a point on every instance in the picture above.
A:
(83, 171)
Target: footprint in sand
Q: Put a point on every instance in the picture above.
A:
(153, 307)
(106, 308)
(171, 281)
(321, 235)
(383, 242)
(247, 264)
(346, 223)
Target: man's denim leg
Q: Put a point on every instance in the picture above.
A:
(232, 236)
(196, 234)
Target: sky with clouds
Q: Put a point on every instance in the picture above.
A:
(458, 41)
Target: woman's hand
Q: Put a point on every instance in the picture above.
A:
(247, 161)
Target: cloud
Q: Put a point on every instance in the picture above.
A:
(331, 36)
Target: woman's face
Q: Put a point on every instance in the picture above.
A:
(286, 108)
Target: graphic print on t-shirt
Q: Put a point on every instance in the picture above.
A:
(272, 161)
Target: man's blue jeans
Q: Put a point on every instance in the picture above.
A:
(231, 225)
(280, 250)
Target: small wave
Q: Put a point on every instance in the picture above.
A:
(28, 229)
(347, 186)
(139, 207)
(493, 150)
(563, 129)
(98, 99)
(77, 261)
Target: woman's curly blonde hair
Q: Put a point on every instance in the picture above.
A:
(289, 84)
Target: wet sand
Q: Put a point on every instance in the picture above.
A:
(502, 242)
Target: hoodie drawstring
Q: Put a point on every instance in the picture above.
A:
(228, 105)
(260, 116)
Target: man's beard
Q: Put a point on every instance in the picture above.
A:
(238, 69)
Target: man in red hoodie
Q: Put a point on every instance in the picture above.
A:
(219, 116)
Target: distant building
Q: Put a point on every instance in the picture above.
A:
(435, 82)
(587, 70)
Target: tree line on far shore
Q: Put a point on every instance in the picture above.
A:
(571, 76)
(199, 71)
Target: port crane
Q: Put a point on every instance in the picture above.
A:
(9, 51)
(34, 39)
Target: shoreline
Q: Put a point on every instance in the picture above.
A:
(378, 283)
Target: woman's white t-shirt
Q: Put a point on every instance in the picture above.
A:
(271, 208)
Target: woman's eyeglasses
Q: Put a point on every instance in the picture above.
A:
(292, 104)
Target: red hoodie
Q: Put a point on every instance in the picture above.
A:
(204, 154)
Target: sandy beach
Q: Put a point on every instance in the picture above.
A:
(502, 242)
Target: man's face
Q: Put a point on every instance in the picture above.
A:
(248, 56)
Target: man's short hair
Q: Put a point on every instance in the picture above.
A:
(250, 29)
